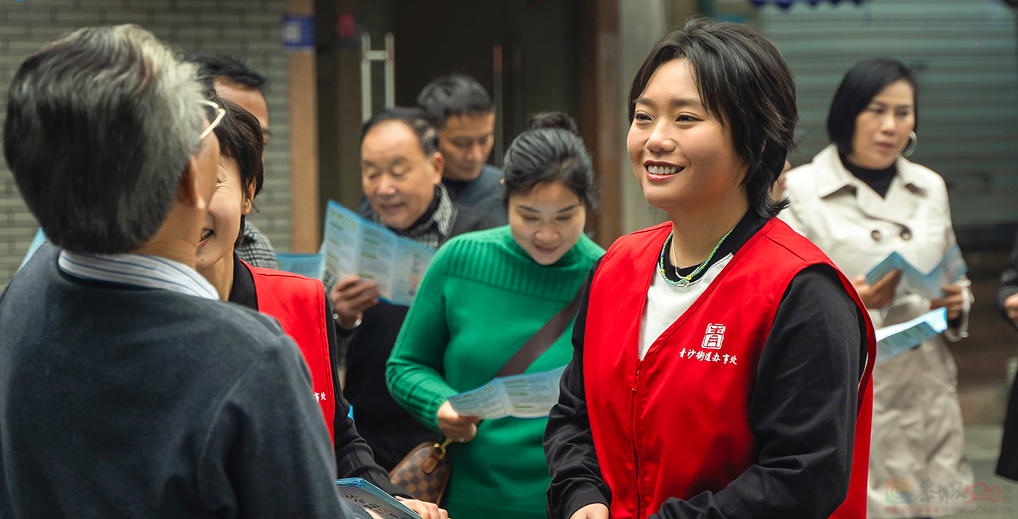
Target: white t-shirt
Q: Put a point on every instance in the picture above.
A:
(667, 302)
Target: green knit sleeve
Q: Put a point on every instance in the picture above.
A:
(413, 372)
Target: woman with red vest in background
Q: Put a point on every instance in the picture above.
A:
(721, 363)
(297, 302)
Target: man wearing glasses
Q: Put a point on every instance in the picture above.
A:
(127, 389)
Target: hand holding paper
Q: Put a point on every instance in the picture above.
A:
(353, 245)
(530, 395)
(948, 271)
(458, 427)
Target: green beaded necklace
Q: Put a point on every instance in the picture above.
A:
(686, 280)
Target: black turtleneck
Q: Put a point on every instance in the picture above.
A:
(879, 180)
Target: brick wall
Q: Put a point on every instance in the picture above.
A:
(249, 28)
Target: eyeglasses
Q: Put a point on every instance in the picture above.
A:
(214, 113)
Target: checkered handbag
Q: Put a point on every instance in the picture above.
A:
(424, 472)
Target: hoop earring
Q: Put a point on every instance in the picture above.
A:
(913, 142)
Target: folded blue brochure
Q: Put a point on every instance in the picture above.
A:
(898, 338)
(307, 265)
(948, 271)
(360, 492)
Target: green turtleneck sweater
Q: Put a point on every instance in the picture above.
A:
(481, 299)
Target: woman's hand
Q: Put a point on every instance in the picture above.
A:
(350, 298)
(424, 509)
(456, 427)
(879, 294)
(953, 301)
(591, 511)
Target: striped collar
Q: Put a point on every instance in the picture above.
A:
(138, 270)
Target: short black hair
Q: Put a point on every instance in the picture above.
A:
(415, 118)
(233, 68)
(551, 150)
(864, 81)
(744, 82)
(453, 95)
(240, 138)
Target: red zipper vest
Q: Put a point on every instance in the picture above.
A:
(298, 303)
(676, 423)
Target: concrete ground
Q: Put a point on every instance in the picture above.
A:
(982, 444)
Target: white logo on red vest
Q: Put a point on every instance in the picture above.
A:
(714, 336)
(320, 396)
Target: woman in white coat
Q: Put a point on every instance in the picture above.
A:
(859, 200)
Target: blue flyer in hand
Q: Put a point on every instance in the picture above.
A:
(353, 245)
(360, 492)
(951, 268)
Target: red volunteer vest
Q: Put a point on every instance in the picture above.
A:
(680, 426)
(298, 303)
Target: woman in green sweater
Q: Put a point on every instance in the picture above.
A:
(485, 294)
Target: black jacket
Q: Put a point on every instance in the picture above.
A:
(1007, 466)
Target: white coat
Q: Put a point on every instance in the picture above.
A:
(918, 466)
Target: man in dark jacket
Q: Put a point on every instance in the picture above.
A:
(462, 112)
(127, 389)
(1007, 303)
(401, 172)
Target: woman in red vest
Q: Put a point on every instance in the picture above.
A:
(721, 363)
(297, 302)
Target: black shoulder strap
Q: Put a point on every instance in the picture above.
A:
(542, 340)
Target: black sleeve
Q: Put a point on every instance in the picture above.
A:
(803, 409)
(1008, 283)
(354, 458)
(568, 445)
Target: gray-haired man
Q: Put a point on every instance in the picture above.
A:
(126, 388)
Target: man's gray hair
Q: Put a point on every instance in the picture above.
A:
(100, 126)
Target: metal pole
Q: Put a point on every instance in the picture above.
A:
(365, 76)
(390, 70)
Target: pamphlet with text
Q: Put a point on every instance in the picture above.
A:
(353, 245)
(360, 492)
(530, 395)
(950, 269)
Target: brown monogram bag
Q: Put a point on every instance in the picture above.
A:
(424, 472)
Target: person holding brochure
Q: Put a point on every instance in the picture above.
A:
(485, 295)
(720, 361)
(401, 175)
(297, 302)
(861, 200)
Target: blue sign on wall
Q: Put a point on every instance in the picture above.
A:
(298, 33)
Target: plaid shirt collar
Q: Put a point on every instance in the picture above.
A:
(433, 230)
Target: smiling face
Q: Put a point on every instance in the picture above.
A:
(682, 156)
(465, 142)
(222, 222)
(882, 128)
(398, 180)
(547, 221)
